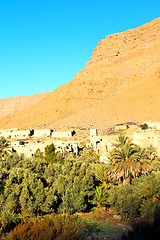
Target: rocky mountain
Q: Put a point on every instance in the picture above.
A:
(120, 83)
(14, 104)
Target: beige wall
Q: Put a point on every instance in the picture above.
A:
(42, 132)
(64, 134)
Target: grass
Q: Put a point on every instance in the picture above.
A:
(101, 228)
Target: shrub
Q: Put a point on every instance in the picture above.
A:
(144, 126)
(58, 228)
(126, 201)
(144, 229)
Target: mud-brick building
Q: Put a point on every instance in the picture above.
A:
(22, 134)
(15, 133)
(101, 144)
(66, 147)
(65, 134)
(42, 132)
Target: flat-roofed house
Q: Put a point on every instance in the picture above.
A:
(21, 134)
(65, 134)
(15, 133)
(42, 133)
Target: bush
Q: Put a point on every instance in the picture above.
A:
(58, 228)
(144, 229)
(144, 126)
(126, 201)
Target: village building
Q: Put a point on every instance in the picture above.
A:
(22, 143)
(133, 126)
(153, 125)
(147, 138)
(21, 134)
(7, 132)
(66, 147)
(28, 148)
(101, 144)
(65, 134)
(42, 132)
(16, 133)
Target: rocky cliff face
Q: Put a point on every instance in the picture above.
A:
(120, 83)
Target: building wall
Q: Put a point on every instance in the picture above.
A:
(121, 127)
(42, 133)
(20, 134)
(93, 132)
(154, 125)
(15, 133)
(147, 138)
(64, 134)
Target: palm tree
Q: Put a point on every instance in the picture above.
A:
(121, 140)
(100, 197)
(100, 173)
(151, 151)
(146, 156)
(127, 161)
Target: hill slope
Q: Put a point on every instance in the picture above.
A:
(120, 83)
(14, 104)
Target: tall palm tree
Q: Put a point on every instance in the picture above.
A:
(121, 140)
(100, 173)
(127, 161)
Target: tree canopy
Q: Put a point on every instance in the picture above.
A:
(127, 160)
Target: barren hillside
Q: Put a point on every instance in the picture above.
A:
(120, 83)
(14, 104)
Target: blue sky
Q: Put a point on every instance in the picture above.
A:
(43, 44)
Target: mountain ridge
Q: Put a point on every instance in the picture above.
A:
(121, 69)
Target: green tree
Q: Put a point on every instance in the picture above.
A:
(4, 144)
(24, 185)
(38, 153)
(125, 200)
(51, 155)
(75, 182)
(127, 161)
(149, 190)
(100, 173)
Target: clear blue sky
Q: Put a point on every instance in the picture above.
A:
(44, 43)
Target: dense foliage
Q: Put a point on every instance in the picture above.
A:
(141, 198)
(49, 183)
(38, 186)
